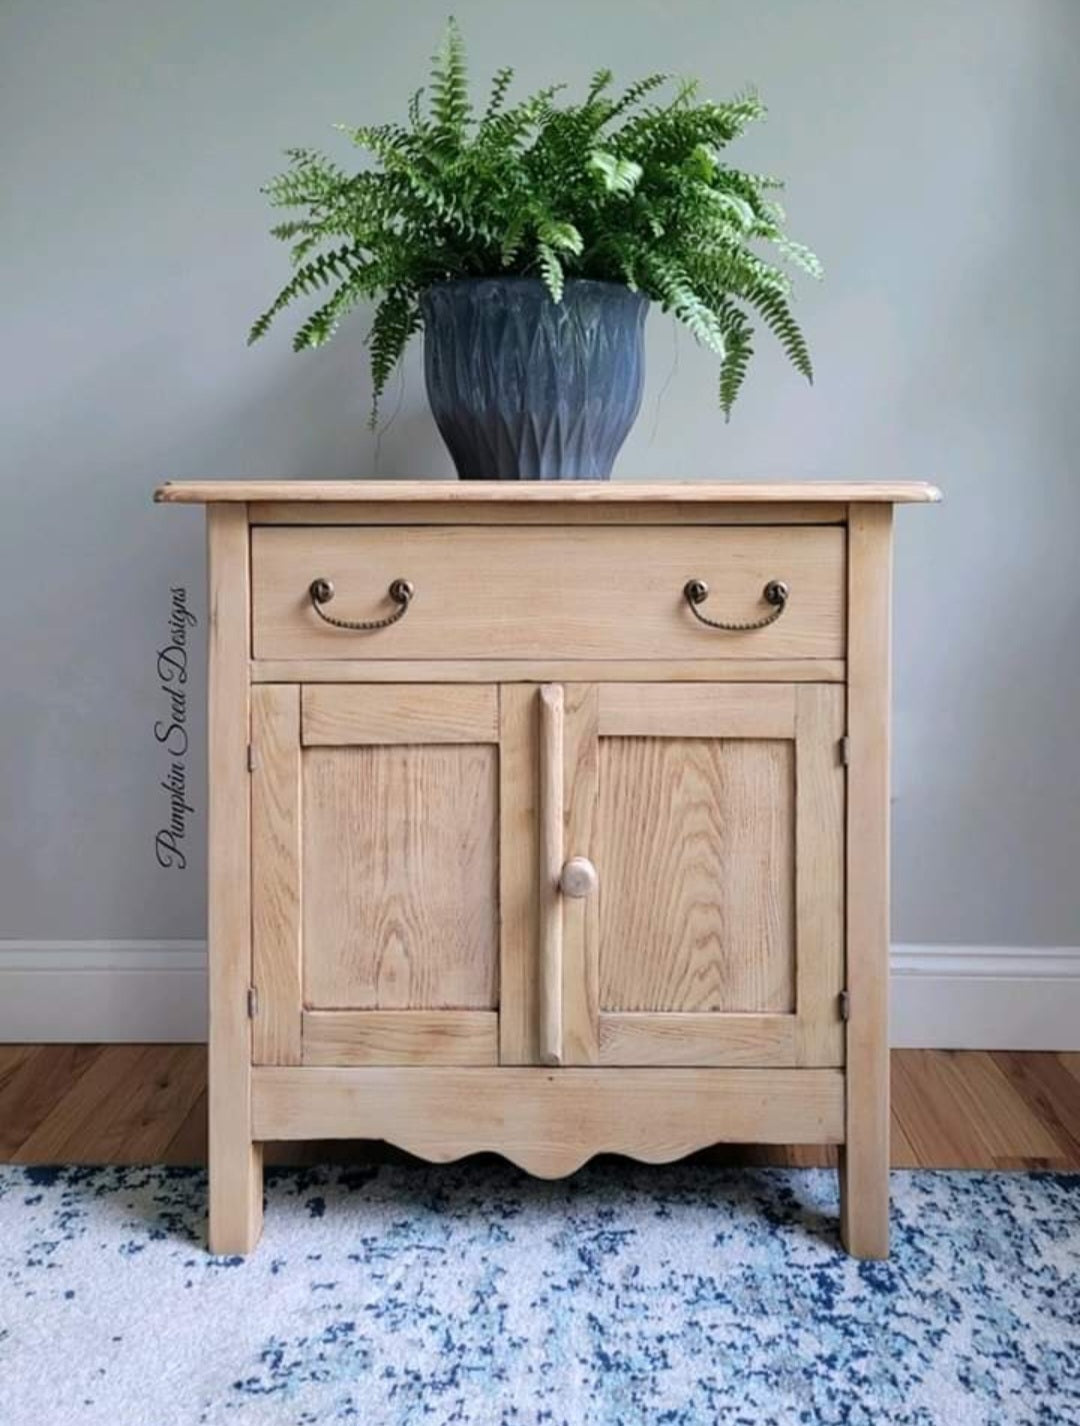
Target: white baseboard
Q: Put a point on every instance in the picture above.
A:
(943, 997)
(109, 991)
(985, 997)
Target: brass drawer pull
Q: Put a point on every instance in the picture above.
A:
(401, 592)
(696, 591)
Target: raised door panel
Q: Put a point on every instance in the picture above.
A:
(377, 867)
(400, 872)
(715, 821)
(699, 884)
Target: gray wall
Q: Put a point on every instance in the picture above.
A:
(932, 155)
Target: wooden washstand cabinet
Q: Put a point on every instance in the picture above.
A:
(511, 850)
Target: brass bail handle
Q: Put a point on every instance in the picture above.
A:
(401, 591)
(775, 593)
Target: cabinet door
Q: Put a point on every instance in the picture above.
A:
(376, 872)
(713, 815)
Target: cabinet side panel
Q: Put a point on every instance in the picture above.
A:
(864, 1176)
(235, 1162)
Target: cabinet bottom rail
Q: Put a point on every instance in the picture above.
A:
(549, 1122)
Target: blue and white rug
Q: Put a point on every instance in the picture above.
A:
(414, 1296)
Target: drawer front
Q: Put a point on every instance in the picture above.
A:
(550, 592)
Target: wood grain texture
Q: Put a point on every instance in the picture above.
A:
(819, 874)
(697, 891)
(644, 1038)
(337, 671)
(124, 1102)
(864, 1177)
(548, 592)
(576, 492)
(495, 512)
(235, 1159)
(276, 881)
(966, 1110)
(401, 877)
(519, 851)
(401, 1037)
(947, 1110)
(549, 1122)
(1047, 1092)
(12, 1057)
(35, 1079)
(694, 711)
(581, 917)
(549, 866)
(385, 715)
(187, 1145)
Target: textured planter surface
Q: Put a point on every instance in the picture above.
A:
(524, 388)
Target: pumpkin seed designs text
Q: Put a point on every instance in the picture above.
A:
(171, 731)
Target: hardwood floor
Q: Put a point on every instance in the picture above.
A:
(147, 1104)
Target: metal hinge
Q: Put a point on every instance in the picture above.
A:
(253, 758)
(252, 1002)
(845, 750)
(844, 1005)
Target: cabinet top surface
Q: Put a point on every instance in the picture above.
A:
(568, 492)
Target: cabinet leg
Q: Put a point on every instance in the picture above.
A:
(236, 1197)
(235, 1161)
(864, 1200)
(864, 1162)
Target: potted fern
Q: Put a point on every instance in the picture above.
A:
(527, 243)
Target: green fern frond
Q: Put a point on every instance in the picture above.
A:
(450, 108)
(636, 92)
(777, 315)
(551, 270)
(513, 236)
(738, 334)
(562, 237)
(600, 81)
(323, 323)
(396, 318)
(320, 272)
(730, 208)
(676, 293)
(499, 85)
(298, 253)
(800, 256)
(310, 179)
(294, 229)
(389, 143)
(617, 175)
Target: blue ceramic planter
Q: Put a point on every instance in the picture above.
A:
(524, 388)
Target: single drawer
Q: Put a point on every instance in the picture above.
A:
(547, 592)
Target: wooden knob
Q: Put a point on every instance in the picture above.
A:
(578, 877)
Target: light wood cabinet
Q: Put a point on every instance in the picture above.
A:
(514, 848)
